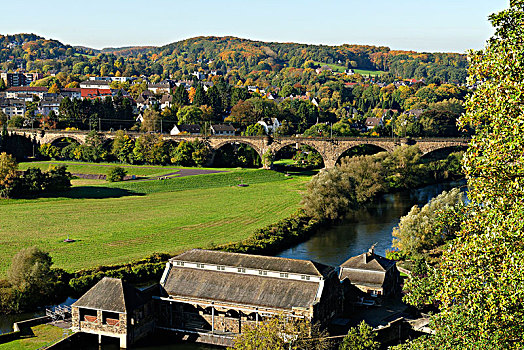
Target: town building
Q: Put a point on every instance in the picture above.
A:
(20, 79)
(12, 107)
(222, 129)
(372, 122)
(95, 84)
(160, 88)
(191, 129)
(371, 273)
(16, 91)
(270, 125)
(113, 308)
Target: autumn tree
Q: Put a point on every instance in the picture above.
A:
(151, 120)
(480, 277)
(8, 168)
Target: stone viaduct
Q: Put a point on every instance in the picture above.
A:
(331, 149)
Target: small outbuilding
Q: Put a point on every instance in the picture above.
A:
(114, 308)
(371, 273)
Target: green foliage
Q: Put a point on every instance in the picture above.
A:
(254, 130)
(190, 153)
(49, 151)
(360, 338)
(330, 194)
(8, 168)
(479, 280)
(30, 281)
(116, 174)
(430, 226)
(279, 333)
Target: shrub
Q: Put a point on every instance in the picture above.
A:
(116, 174)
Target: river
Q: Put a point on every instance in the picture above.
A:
(332, 246)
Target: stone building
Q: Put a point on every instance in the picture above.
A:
(371, 273)
(219, 293)
(115, 309)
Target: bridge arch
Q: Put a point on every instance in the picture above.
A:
(281, 145)
(446, 149)
(343, 151)
(232, 142)
(56, 138)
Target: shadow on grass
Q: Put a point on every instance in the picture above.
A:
(93, 192)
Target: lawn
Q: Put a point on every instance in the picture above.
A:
(102, 168)
(119, 222)
(43, 335)
(340, 69)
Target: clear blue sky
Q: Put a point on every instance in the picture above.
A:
(421, 25)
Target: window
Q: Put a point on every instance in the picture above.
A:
(285, 275)
(180, 263)
(304, 277)
(200, 265)
(221, 268)
(262, 272)
(241, 269)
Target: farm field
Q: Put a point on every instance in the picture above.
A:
(118, 222)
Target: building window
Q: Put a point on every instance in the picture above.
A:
(241, 269)
(180, 263)
(200, 265)
(221, 268)
(262, 272)
(285, 275)
(304, 277)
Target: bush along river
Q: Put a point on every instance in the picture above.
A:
(331, 245)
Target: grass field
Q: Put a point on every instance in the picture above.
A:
(340, 69)
(119, 222)
(43, 335)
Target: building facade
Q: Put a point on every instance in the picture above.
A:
(220, 293)
(113, 308)
(372, 274)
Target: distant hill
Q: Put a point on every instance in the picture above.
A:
(224, 54)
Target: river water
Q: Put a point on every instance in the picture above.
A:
(332, 245)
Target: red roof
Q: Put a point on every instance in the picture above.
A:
(94, 93)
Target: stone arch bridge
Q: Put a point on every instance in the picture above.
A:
(331, 149)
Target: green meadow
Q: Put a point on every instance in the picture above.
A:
(41, 336)
(117, 222)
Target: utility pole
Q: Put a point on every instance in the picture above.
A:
(99, 125)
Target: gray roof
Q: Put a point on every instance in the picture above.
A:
(223, 127)
(111, 294)
(191, 128)
(366, 269)
(269, 263)
(249, 290)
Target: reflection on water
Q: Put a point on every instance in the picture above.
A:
(368, 226)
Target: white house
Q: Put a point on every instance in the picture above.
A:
(222, 129)
(192, 129)
(270, 125)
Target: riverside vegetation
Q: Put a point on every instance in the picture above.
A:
(167, 209)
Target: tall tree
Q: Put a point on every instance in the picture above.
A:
(480, 279)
